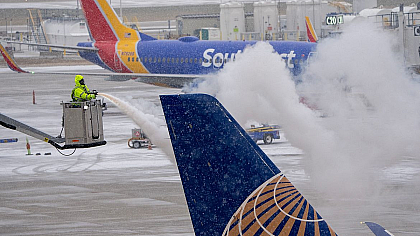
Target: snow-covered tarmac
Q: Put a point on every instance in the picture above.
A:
(115, 190)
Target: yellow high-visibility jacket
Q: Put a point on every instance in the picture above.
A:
(80, 92)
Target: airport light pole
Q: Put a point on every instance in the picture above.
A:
(11, 30)
(313, 13)
(122, 19)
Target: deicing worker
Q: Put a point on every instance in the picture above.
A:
(81, 92)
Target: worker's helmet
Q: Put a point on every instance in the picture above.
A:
(79, 80)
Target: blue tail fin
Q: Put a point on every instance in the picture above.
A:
(230, 185)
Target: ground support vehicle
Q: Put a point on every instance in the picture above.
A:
(267, 133)
(138, 139)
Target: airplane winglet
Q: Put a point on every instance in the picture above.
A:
(230, 184)
(10, 61)
(310, 31)
(377, 229)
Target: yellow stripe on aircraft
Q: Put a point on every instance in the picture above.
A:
(128, 55)
(123, 32)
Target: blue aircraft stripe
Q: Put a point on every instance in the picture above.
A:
(295, 229)
(310, 226)
(323, 227)
(273, 216)
(270, 207)
(270, 199)
(286, 218)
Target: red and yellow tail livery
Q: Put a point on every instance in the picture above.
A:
(310, 31)
(104, 24)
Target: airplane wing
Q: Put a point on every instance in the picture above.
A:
(377, 229)
(162, 80)
(90, 49)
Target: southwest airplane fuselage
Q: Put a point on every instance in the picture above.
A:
(131, 54)
(188, 55)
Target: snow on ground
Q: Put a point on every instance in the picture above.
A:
(115, 190)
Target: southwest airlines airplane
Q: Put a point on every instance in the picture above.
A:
(131, 54)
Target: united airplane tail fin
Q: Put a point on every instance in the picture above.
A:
(310, 31)
(231, 186)
(10, 61)
(104, 24)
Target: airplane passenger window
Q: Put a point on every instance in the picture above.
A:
(173, 60)
(150, 60)
(159, 60)
(205, 60)
(132, 59)
(296, 61)
(137, 59)
(168, 59)
(164, 60)
(141, 59)
(128, 59)
(186, 60)
(154, 61)
(201, 60)
(182, 60)
(177, 60)
(191, 60)
(195, 60)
